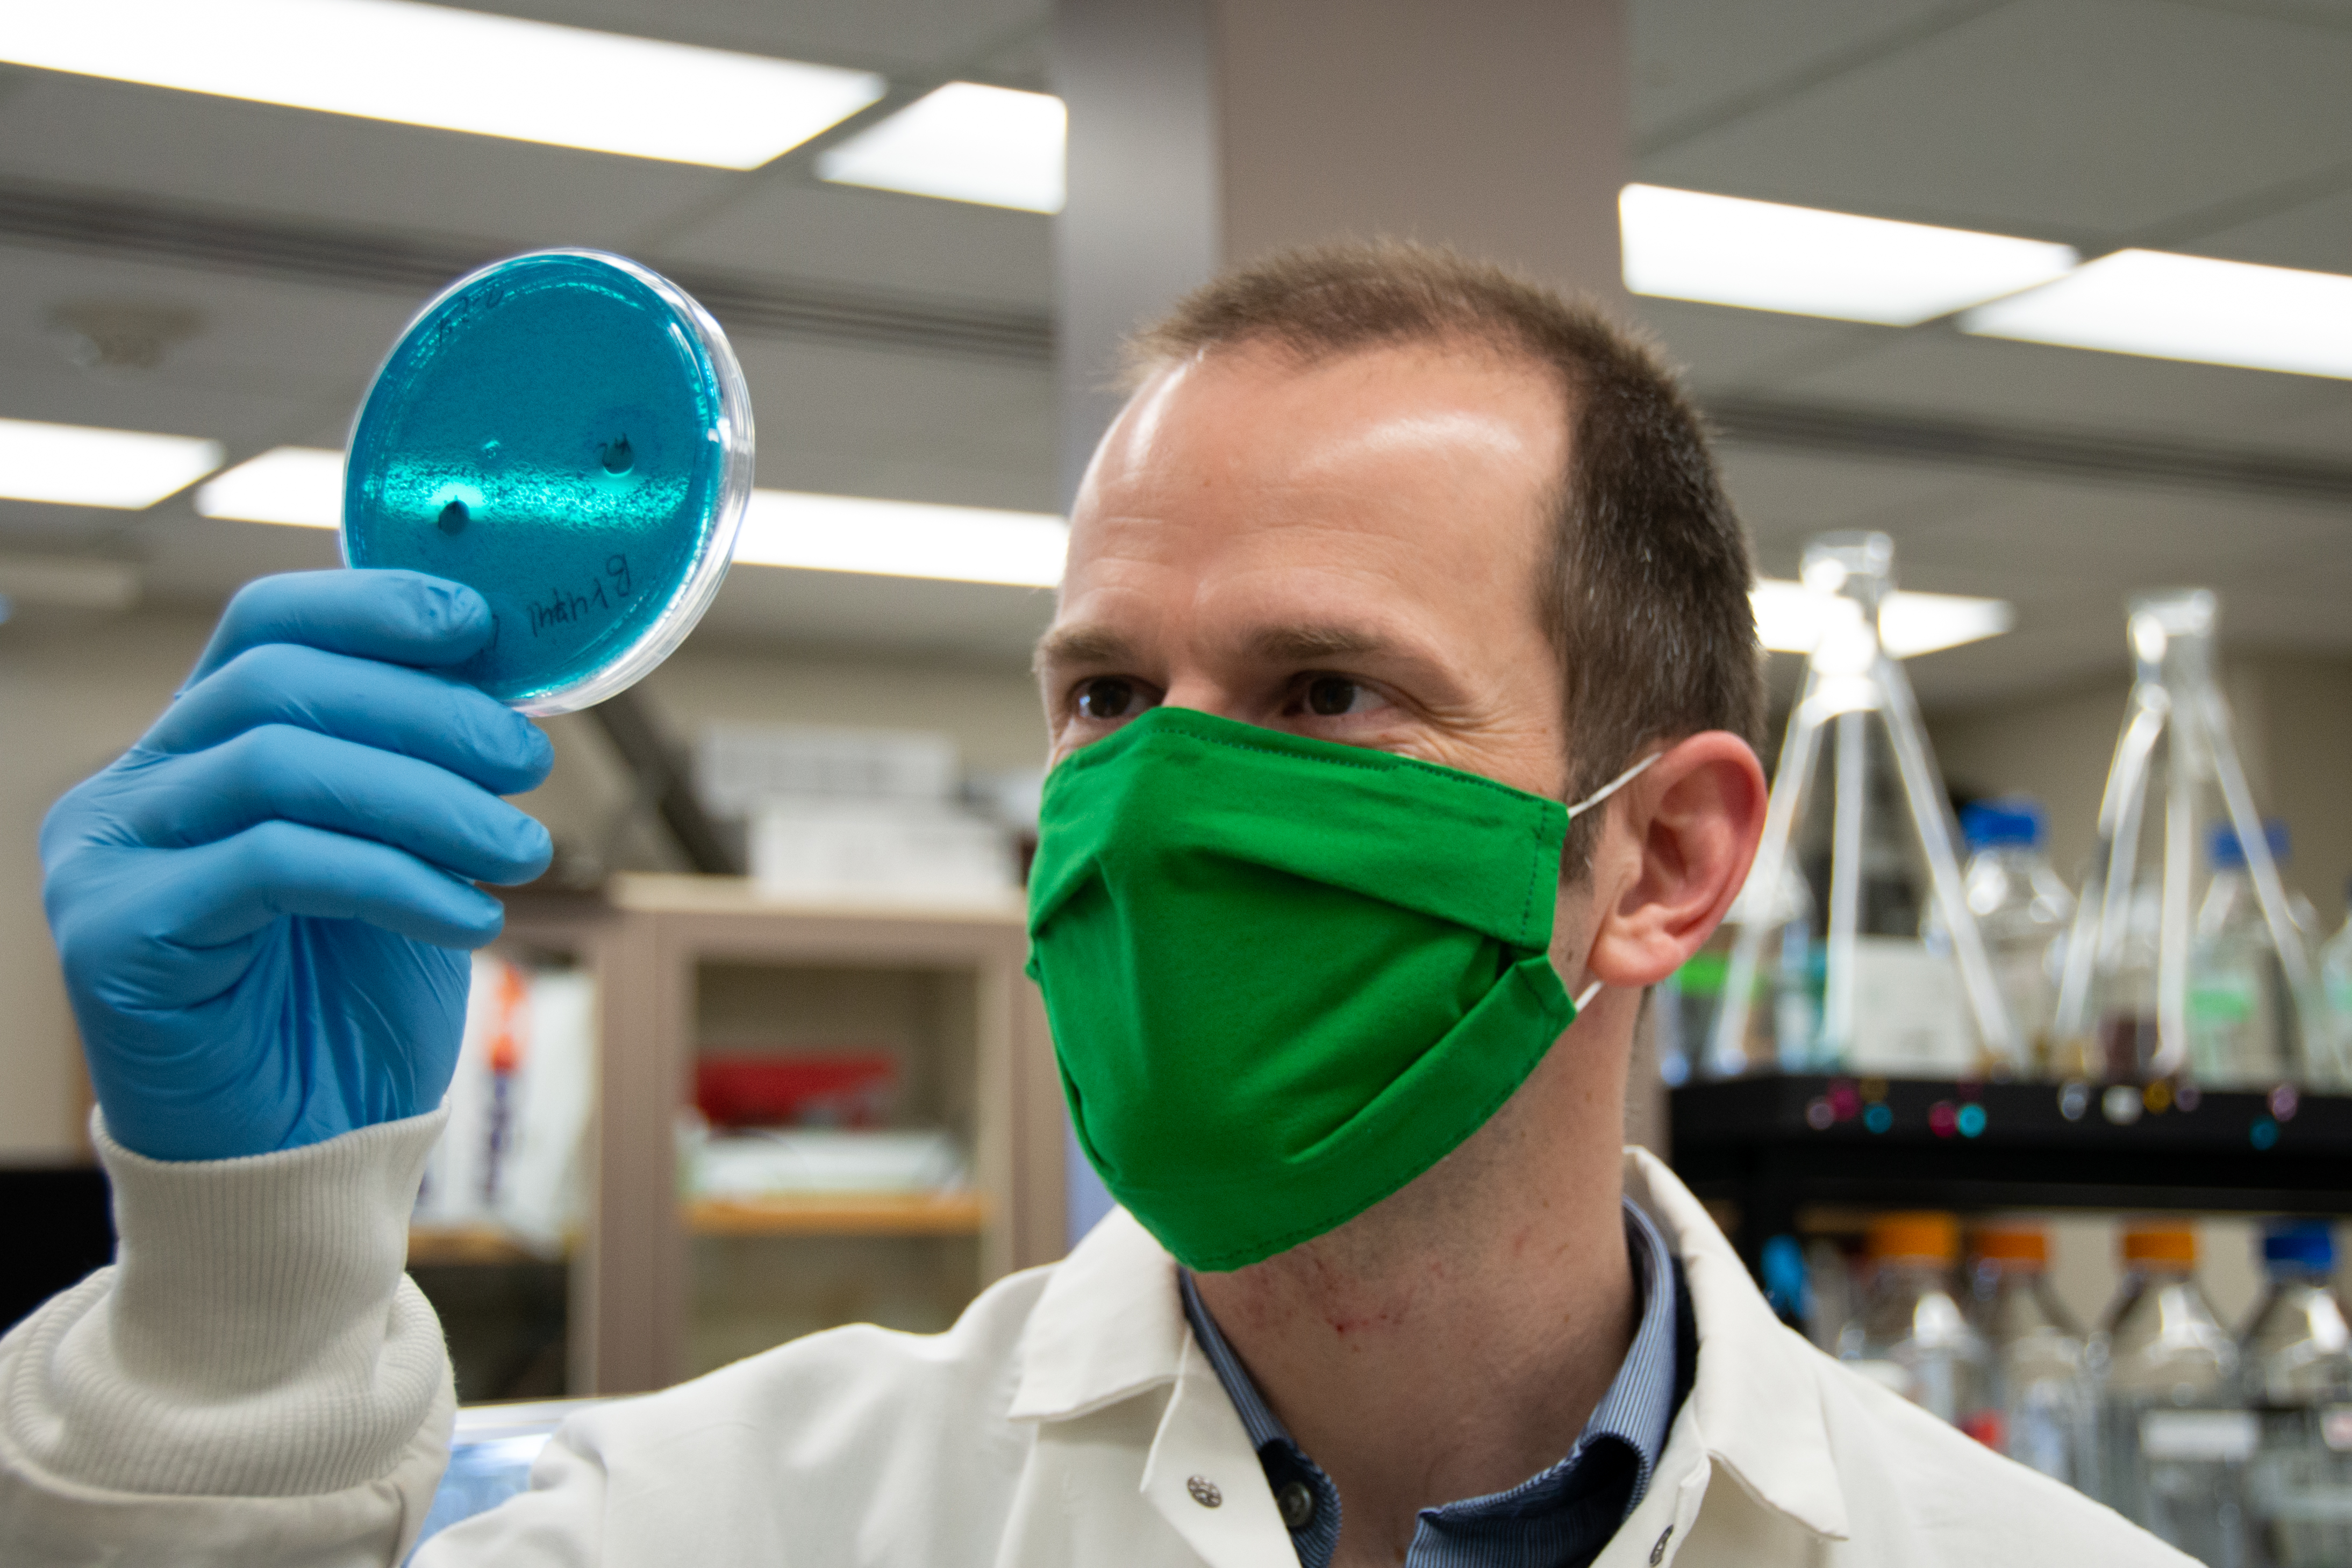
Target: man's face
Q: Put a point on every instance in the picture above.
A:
(1348, 551)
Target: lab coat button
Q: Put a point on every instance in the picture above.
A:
(1204, 1492)
(1296, 1500)
(1658, 1553)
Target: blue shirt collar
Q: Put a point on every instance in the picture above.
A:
(1563, 1515)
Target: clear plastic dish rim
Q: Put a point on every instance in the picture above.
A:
(734, 435)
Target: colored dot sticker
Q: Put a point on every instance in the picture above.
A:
(2265, 1134)
(568, 434)
(1970, 1121)
(1879, 1117)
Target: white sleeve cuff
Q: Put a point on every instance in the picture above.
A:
(255, 1338)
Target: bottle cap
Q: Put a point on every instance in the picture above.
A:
(2170, 1243)
(568, 434)
(2013, 1246)
(2300, 1244)
(2011, 821)
(2222, 845)
(1933, 1237)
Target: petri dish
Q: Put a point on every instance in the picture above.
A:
(567, 433)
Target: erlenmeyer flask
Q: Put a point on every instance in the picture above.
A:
(2125, 1005)
(1870, 838)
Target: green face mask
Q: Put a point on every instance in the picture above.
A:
(1286, 976)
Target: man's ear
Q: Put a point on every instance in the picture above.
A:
(1676, 851)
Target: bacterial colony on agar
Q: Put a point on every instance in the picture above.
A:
(568, 434)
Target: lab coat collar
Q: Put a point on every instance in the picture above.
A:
(1111, 1325)
(1756, 1403)
(1108, 1325)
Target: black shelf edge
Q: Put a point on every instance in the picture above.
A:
(1775, 1143)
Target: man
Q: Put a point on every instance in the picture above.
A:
(1388, 556)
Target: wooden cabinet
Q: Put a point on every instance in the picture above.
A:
(662, 1286)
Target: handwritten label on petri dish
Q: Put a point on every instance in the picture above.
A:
(569, 608)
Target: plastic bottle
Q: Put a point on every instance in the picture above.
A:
(2240, 1020)
(2299, 1365)
(2336, 985)
(2177, 1434)
(2023, 909)
(1911, 1333)
(2045, 1404)
(1784, 1015)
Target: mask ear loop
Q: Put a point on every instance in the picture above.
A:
(1594, 989)
(1615, 784)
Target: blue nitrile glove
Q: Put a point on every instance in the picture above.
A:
(263, 906)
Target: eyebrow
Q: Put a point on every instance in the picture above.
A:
(1303, 642)
(1081, 645)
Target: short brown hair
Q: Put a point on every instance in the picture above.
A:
(1645, 596)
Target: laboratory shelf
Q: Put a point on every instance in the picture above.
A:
(840, 1214)
(1771, 1146)
(431, 1245)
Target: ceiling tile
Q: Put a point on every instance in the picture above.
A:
(2316, 235)
(1722, 349)
(37, 382)
(1940, 371)
(2065, 119)
(876, 240)
(2019, 530)
(903, 426)
(253, 334)
(1693, 57)
(1787, 498)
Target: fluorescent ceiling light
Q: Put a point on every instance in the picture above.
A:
(303, 486)
(456, 70)
(902, 539)
(963, 141)
(82, 465)
(2188, 308)
(1723, 250)
(300, 486)
(1792, 619)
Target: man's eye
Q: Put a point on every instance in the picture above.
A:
(1328, 697)
(1105, 697)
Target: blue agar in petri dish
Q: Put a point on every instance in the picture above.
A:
(568, 434)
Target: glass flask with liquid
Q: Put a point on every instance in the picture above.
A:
(1911, 1333)
(2298, 1359)
(1859, 814)
(2177, 1434)
(2044, 1408)
(2123, 1001)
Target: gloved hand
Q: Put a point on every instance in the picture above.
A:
(263, 906)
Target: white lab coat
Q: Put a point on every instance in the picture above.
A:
(1069, 1417)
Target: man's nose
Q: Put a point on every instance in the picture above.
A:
(1199, 689)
